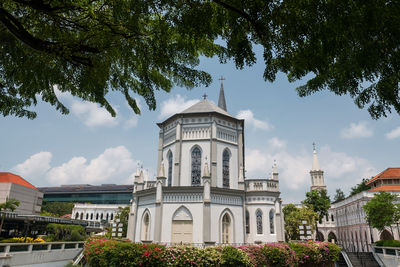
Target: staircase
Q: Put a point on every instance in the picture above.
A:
(362, 259)
(341, 262)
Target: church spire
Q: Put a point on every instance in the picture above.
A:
(315, 163)
(221, 99)
(317, 175)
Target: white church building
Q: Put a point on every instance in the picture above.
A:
(201, 195)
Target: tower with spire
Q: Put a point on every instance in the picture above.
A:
(317, 175)
(221, 99)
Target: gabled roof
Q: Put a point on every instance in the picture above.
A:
(386, 174)
(7, 177)
(205, 106)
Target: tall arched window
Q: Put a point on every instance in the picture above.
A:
(226, 228)
(77, 215)
(146, 224)
(247, 222)
(225, 168)
(259, 222)
(91, 216)
(196, 166)
(271, 222)
(87, 216)
(82, 216)
(112, 216)
(169, 168)
(97, 216)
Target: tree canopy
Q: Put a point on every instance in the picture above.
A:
(339, 196)
(360, 187)
(89, 48)
(319, 202)
(294, 217)
(381, 211)
(57, 209)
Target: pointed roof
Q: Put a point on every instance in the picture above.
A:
(221, 99)
(205, 106)
(7, 177)
(315, 163)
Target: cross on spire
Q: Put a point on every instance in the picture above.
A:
(313, 145)
(221, 79)
(205, 96)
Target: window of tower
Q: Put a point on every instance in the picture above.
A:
(225, 168)
(259, 222)
(196, 166)
(169, 168)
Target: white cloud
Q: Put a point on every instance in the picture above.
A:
(395, 133)
(35, 166)
(175, 105)
(114, 164)
(92, 115)
(340, 169)
(132, 122)
(248, 116)
(357, 130)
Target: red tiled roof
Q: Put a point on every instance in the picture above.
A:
(386, 187)
(7, 177)
(388, 173)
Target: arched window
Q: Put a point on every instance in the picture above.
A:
(169, 168)
(107, 217)
(247, 222)
(97, 216)
(196, 166)
(259, 222)
(82, 216)
(226, 228)
(332, 218)
(146, 226)
(112, 216)
(91, 216)
(271, 221)
(77, 215)
(225, 168)
(101, 216)
(87, 216)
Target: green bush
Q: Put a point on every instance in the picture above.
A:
(387, 243)
(103, 252)
(65, 232)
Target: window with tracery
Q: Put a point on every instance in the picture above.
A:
(226, 228)
(247, 222)
(271, 222)
(169, 168)
(259, 222)
(196, 166)
(225, 169)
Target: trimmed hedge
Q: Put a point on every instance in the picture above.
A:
(103, 252)
(387, 243)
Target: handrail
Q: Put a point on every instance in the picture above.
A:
(376, 257)
(346, 258)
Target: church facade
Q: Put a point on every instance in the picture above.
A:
(201, 195)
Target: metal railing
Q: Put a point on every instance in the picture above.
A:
(9, 248)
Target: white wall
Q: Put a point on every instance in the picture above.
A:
(139, 220)
(266, 236)
(237, 226)
(196, 210)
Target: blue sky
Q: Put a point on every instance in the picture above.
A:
(88, 146)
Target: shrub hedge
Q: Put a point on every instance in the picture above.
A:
(111, 253)
(388, 243)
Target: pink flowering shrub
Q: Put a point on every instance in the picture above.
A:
(111, 253)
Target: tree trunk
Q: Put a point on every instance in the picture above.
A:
(316, 232)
